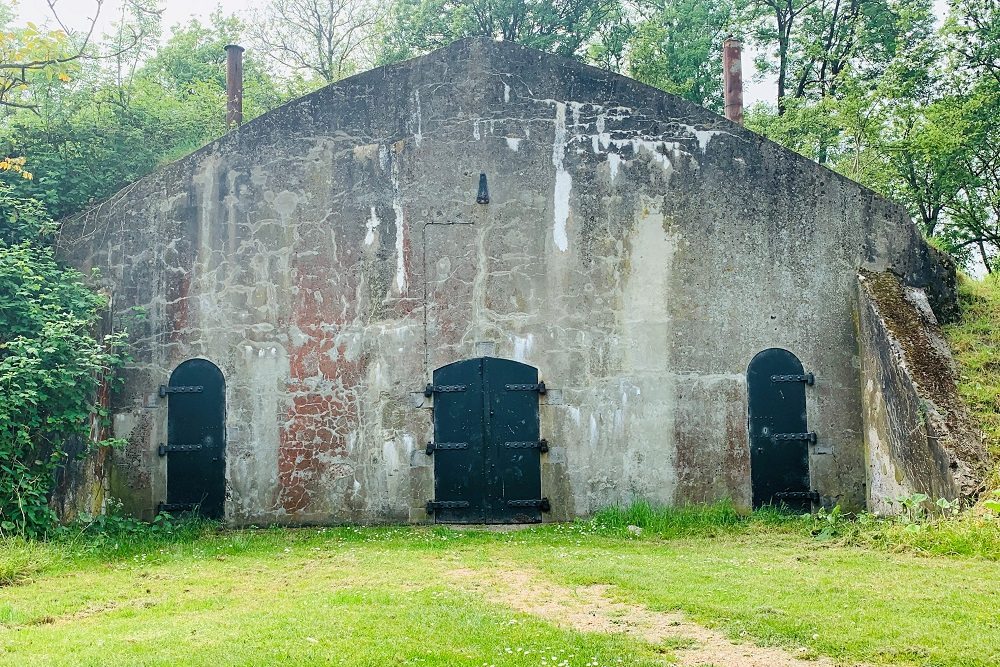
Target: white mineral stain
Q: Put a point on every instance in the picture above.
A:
(419, 136)
(704, 136)
(513, 143)
(506, 93)
(654, 148)
(522, 347)
(371, 225)
(400, 259)
(564, 182)
(397, 208)
(614, 160)
(475, 130)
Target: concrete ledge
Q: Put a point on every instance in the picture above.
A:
(917, 432)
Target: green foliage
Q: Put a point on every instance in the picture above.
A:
(110, 127)
(115, 535)
(566, 27)
(975, 343)
(50, 365)
(992, 502)
(925, 527)
(678, 49)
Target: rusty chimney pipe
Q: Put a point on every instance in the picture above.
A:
(732, 79)
(234, 85)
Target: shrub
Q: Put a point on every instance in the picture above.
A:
(50, 365)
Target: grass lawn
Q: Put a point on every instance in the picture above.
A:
(428, 596)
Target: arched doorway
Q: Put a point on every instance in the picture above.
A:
(779, 437)
(487, 449)
(196, 439)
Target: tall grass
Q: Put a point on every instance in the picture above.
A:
(966, 535)
(20, 559)
(685, 520)
(975, 343)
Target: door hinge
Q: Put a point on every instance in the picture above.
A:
(798, 495)
(432, 389)
(164, 390)
(163, 449)
(809, 437)
(542, 504)
(541, 445)
(434, 446)
(539, 387)
(808, 378)
(446, 504)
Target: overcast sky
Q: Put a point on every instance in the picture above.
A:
(77, 13)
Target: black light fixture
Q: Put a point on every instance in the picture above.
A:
(484, 192)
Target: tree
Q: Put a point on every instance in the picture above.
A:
(819, 42)
(113, 125)
(30, 55)
(325, 39)
(566, 27)
(677, 47)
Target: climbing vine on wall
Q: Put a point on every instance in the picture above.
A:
(51, 364)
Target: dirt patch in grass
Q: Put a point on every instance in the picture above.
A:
(592, 609)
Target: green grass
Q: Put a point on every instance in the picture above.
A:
(975, 343)
(383, 596)
(19, 559)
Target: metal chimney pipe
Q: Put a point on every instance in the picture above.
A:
(732, 79)
(234, 85)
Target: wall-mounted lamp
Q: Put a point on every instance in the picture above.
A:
(484, 191)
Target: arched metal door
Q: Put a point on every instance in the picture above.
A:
(779, 437)
(487, 449)
(196, 439)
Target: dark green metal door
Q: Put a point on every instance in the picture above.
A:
(779, 438)
(487, 449)
(196, 435)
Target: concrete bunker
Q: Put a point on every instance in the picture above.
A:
(634, 252)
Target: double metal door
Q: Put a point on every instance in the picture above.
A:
(487, 449)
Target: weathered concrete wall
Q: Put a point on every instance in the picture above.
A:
(638, 250)
(918, 436)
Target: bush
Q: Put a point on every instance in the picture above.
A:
(51, 366)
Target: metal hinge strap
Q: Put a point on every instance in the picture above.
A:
(541, 503)
(164, 390)
(541, 445)
(446, 504)
(432, 389)
(540, 387)
(434, 446)
(808, 378)
(163, 449)
(808, 437)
